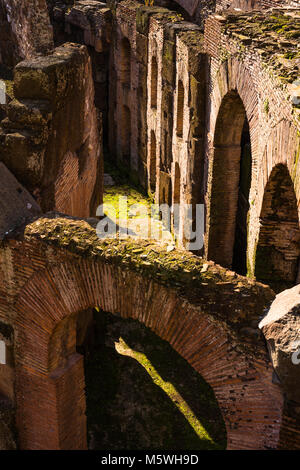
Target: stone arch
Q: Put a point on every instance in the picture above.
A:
(231, 178)
(154, 82)
(278, 249)
(232, 77)
(50, 392)
(125, 64)
(180, 109)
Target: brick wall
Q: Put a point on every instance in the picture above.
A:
(24, 30)
(57, 153)
(247, 72)
(212, 335)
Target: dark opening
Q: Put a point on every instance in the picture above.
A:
(153, 162)
(180, 107)
(230, 186)
(140, 393)
(239, 263)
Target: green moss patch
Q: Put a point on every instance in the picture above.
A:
(275, 36)
(111, 201)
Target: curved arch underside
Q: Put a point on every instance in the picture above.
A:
(202, 320)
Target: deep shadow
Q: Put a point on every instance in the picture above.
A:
(230, 186)
(239, 262)
(126, 409)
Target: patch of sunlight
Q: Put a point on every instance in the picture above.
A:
(123, 349)
(133, 211)
(114, 208)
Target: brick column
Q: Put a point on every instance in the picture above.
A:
(51, 407)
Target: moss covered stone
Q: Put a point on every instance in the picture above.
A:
(274, 35)
(234, 300)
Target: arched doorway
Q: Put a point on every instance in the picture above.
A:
(50, 384)
(230, 186)
(278, 248)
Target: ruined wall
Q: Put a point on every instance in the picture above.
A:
(211, 321)
(87, 23)
(198, 10)
(56, 153)
(249, 79)
(188, 126)
(24, 30)
(7, 393)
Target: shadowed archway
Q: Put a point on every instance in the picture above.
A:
(278, 248)
(50, 383)
(140, 393)
(230, 186)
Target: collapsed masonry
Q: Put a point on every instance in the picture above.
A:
(198, 113)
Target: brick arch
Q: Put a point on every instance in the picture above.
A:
(50, 393)
(279, 150)
(233, 75)
(277, 252)
(282, 148)
(232, 91)
(231, 109)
